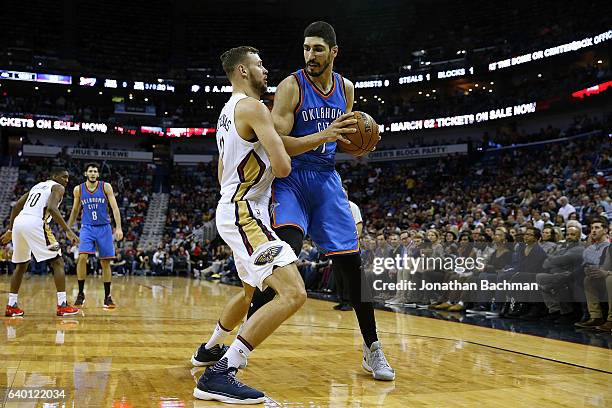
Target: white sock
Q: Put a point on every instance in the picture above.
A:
(61, 298)
(217, 336)
(12, 300)
(234, 357)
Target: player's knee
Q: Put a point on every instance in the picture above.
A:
(297, 297)
(292, 296)
(57, 262)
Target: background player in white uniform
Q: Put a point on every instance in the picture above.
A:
(29, 230)
(344, 299)
(251, 153)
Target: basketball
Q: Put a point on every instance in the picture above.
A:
(364, 139)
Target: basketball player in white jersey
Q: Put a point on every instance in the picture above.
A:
(29, 230)
(251, 154)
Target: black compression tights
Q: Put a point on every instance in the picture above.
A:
(350, 267)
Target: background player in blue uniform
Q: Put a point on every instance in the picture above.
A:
(94, 197)
(310, 105)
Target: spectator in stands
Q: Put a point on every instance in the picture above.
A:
(530, 258)
(5, 259)
(496, 269)
(549, 239)
(383, 249)
(565, 208)
(142, 261)
(597, 276)
(546, 218)
(182, 261)
(560, 269)
(118, 265)
(396, 274)
(168, 264)
(434, 251)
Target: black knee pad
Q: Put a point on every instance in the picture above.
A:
(293, 236)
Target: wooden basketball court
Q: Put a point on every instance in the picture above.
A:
(138, 354)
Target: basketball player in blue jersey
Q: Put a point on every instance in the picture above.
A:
(94, 197)
(309, 105)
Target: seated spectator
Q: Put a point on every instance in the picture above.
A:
(598, 278)
(549, 239)
(182, 261)
(141, 262)
(496, 269)
(560, 269)
(5, 259)
(530, 257)
(159, 260)
(118, 265)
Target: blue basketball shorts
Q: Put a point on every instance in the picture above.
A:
(97, 236)
(315, 202)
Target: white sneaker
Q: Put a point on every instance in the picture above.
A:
(374, 362)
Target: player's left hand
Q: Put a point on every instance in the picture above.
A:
(72, 237)
(118, 234)
(6, 237)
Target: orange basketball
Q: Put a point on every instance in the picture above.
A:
(364, 139)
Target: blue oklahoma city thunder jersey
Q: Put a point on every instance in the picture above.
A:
(95, 205)
(315, 111)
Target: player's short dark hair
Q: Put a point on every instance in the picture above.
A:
(91, 164)
(56, 171)
(234, 56)
(323, 30)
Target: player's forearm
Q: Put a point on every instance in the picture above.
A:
(57, 217)
(117, 217)
(14, 213)
(72, 219)
(298, 145)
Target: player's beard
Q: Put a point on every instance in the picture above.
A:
(260, 86)
(323, 69)
(92, 181)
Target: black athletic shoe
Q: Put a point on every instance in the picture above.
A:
(205, 357)
(346, 307)
(108, 303)
(223, 386)
(80, 300)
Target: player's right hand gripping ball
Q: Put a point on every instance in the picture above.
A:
(364, 139)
